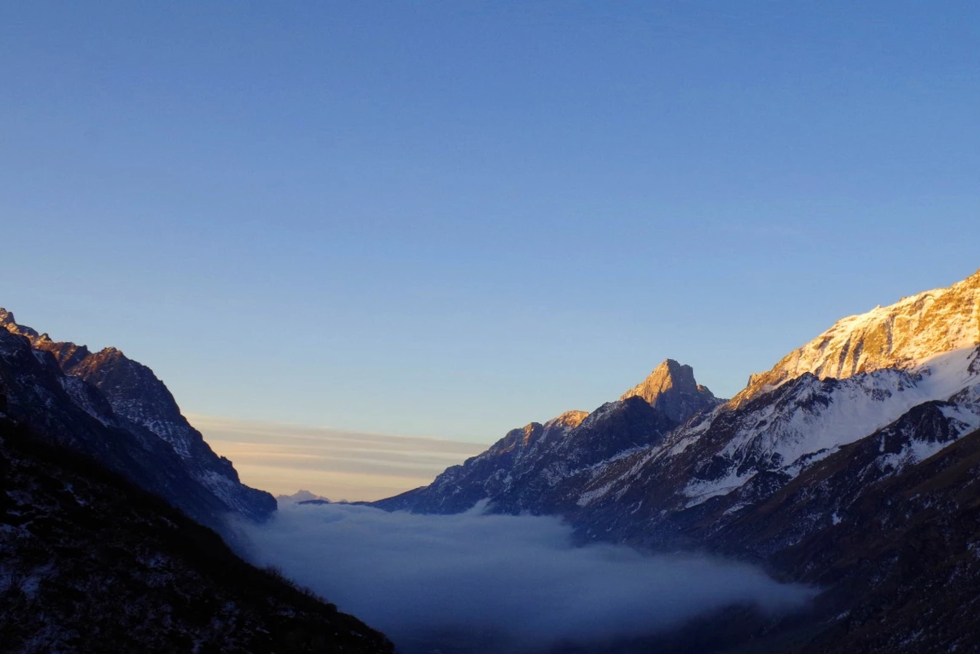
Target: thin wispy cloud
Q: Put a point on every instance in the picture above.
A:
(283, 458)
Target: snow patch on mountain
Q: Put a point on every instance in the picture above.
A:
(898, 336)
(814, 418)
(588, 497)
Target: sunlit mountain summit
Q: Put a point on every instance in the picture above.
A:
(869, 428)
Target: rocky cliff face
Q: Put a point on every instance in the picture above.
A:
(538, 468)
(671, 388)
(116, 409)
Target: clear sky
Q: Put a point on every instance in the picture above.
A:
(447, 219)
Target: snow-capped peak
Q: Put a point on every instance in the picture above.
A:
(902, 335)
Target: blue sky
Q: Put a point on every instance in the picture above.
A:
(450, 218)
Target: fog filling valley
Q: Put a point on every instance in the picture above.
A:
(518, 577)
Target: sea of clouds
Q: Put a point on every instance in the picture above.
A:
(515, 581)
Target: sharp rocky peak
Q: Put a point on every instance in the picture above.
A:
(668, 375)
(672, 388)
(8, 322)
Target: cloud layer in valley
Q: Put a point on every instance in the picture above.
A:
(504, 579)
(338, 464)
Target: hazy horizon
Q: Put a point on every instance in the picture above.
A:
(340, 465)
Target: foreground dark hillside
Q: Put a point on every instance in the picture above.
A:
(905, 561)
(89, 562)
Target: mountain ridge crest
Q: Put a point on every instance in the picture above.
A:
(895, 336)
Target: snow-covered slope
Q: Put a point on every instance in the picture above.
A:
(815, 417)
(859, 376)
(897, 336)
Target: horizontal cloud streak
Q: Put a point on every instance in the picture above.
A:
(513, 580)
(339, 464)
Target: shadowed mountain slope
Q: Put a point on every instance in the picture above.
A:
(89, 562)
(116, 410)
(539, 468)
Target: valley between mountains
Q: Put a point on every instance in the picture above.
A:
(851, 467)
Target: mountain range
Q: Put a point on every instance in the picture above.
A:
(850, 465)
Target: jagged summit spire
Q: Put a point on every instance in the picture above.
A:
(68, 354)
(668, 375)
(671, 387)
(8, 322)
